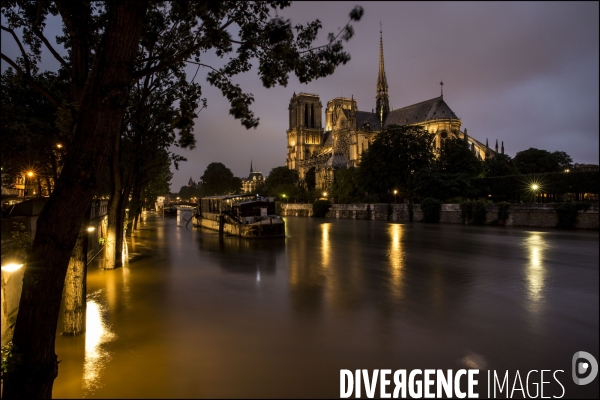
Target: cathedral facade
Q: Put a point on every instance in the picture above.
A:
(340, 140)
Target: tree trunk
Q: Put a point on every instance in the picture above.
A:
(33, 365)
(112, 252)
(75, 296)
(134, 208)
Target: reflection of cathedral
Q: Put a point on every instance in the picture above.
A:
(348, 132)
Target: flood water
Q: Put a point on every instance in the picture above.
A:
(190, 315)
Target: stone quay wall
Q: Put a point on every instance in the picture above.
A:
(525, 215)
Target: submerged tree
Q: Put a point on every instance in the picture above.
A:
(101, 40)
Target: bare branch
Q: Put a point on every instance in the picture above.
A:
(25, 57)
(32, 82)
(61, 60)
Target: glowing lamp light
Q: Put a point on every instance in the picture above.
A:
(324, 194)
(59, 146)
(395, 192)
(534, 186)
(91, 229)
(12, 267)
(30, 174)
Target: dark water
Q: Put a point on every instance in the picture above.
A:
(192, 316)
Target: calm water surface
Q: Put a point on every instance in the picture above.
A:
(190, 315)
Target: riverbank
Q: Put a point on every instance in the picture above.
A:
(523, 215)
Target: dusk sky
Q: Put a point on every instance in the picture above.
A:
(523, 73)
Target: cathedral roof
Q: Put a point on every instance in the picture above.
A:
(337, 161)
(420, 112)
(365, 117)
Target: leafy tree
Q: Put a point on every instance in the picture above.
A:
(435, 184)
(101, 40)
(218, 179)
(450, 174)
(500, 165)
(536, 161)
(346, 185)
(284, 181)
(310, 179)
(455, 157)
(395, 156)
(31, 138)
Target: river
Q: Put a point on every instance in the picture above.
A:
(190, 315)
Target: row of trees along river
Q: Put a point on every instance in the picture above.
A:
(118, 101)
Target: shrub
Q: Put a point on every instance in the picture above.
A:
(431, 210)
(278, 207)
(320, 208)
(466, 211)
(479, 212)
(503, 211)
(567, 213)
(473, 212)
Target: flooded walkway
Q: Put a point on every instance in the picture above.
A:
(190, 315)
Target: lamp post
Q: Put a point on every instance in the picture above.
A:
(535, 188)
(325, 195)
(395, 192)
(285, 197)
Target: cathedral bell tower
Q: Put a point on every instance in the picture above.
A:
(305, 131)
(383, 104)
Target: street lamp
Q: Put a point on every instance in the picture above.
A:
(325, 195)
(285, 197)
(395, 192)
(534, 188)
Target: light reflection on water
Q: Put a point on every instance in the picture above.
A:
(536, 271)
(97, 333)
(195, 315)
(396, 256)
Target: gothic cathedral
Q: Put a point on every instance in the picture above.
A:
(348, 132)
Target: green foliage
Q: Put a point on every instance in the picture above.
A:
(503, 211)
(20, 244)
(431, 210)
(219, 180)
(479, 213)
(320, 208)
(391, 160)
(436, 184)
(284, 181)
(6, 355)
(102, 240)
(567, 213)
(29, 132)
(450, 174)
(535, 161)
(310, 179)
(346, 185)
(515, 186)
(500, 165)
(278, 207)
(455, 157)
(473, 212)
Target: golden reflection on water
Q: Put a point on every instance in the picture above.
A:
(396, 256)
(325, 244)
(96, 334)
(535, 271)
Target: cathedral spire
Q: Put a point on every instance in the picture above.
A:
(383, 105)
(251, 170)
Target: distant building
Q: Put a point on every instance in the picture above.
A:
(347, 132)
(585, 167)
(254, 179)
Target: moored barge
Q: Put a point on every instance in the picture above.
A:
(244, 215)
